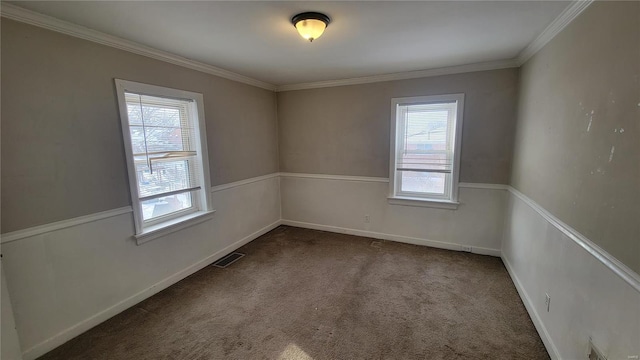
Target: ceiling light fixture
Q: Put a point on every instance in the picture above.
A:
(310, 25)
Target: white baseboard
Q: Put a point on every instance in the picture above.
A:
(535, 317)
(81, 327)
(398, 238)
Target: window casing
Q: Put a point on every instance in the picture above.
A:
(165, 143)
(425, 148)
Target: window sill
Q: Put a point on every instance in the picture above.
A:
(168, 227)
(419, 202)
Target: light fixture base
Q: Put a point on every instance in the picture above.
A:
(310, 16)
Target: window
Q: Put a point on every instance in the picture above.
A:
(425, 150)
(165, 143)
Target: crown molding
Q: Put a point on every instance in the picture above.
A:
(483, 66)
(569, 14)
(17, 13)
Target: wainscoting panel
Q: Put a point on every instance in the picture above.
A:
(67, 277)
(592, 296)
(64, 281)
(342, 203)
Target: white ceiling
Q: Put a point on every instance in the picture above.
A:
(256, 39)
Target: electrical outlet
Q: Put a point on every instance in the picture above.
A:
(594, 352)
(467, 248)
(547, 301)
(367, 219)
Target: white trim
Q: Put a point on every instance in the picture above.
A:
(422, 202)
(390, 237)
(483, 186)
(535, 317)
(375, 179)
(569, 14)
(607, 259)
(336, 177)
(449, 70)
(280, 195)
(17, 13)
(201, 201)
(171, 226)
(620, 269)
(396, 128)
(43, 229)
(46, 228)
(243, 182)
(79, 328)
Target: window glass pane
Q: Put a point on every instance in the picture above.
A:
(422, 182)
(426, 130)
(162, 176)
(159, 139)
(137, 139)
(159, 132)
(424, 148)
(426, 142)
(165, 155)
(165, 205)
(153, 115)
(164, 139)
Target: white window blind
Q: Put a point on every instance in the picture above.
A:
(164, 146)
(426, 143)
(425, 147)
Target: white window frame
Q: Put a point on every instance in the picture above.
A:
(201, 209)
(417, 199)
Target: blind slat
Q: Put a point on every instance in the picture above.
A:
(425, 170)
(169, 193)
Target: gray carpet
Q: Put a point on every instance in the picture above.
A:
(305, 294)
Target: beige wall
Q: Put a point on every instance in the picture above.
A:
(572, 155)
(62, 150)
(345, 130)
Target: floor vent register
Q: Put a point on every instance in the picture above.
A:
(228, 260)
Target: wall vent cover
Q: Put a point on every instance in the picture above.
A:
(228, 260)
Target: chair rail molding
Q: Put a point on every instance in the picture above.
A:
(620, 269)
